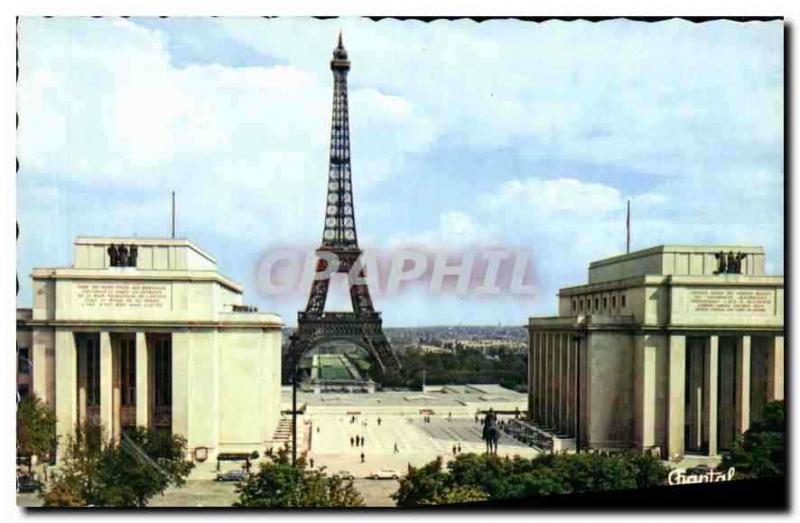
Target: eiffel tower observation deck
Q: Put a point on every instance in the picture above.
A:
(363, 326)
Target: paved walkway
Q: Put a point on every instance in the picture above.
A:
(418, 442)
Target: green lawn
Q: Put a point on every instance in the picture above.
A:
(332, 367)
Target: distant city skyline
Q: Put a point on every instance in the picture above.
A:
(526, 135)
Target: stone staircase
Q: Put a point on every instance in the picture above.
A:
(283, 434)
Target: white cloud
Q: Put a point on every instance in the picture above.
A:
(684, 119)
(541, 197)
(455, 229)
(111, 110)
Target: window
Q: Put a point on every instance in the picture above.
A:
(605, 303)
(23, 361)
(613, 302)
(574, 305)
(92, 372)
(163, 372)
(623, 300)
(581, 305)
(596, 304)
(127, 371)
(23, 391)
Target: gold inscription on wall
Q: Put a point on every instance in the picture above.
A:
(127, 295)
(752, 301)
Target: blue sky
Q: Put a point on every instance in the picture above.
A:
(530, 135)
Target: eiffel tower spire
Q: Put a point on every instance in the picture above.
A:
(340, 225)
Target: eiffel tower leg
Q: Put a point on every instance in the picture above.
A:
(375, 354)
(317, 297)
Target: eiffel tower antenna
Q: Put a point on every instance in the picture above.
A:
(363, 327)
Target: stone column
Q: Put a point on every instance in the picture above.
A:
(676, 376)
(116, 395)
(180, 384)
(66, 385)
(142, 382)
(563, 390)
(584, 413)
(574, 386)
(531, 367)
(552, 421)
(83, 364)
(696, 377)
(775, 369)
(644, 391)
(545, 379)
(742, 384)
(710, 388)
(539, 378)
(106, 384)
(557, 382)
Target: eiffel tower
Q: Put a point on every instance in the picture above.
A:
(363, 326)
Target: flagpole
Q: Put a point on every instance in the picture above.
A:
(628, 229)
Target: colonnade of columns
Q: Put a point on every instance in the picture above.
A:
(724, 389)
(77, 383)
(553, 381)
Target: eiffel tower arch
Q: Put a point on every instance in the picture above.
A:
(362, 327)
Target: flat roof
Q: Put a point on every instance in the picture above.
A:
(435, 395)
(139, 240)
(676, 248)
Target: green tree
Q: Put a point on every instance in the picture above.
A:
(124, 473)
(75, 483)
(36, 427)
(143, 464)
(649, 470)
(474, 476)
(421, 486)
(459, 494)
(279, 484)
(761, 451)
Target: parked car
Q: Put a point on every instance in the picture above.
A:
(232, 475)
(344, 474)
(385, 474)
(28, 484)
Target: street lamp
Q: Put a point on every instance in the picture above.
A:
(294, 411)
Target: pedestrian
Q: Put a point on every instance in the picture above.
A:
(362, 457)
(351, 441)
(454, 450)
(311, 462)
(379, 422)
(459, 448)
(317, 429)
(396, 450)
(358, 441)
